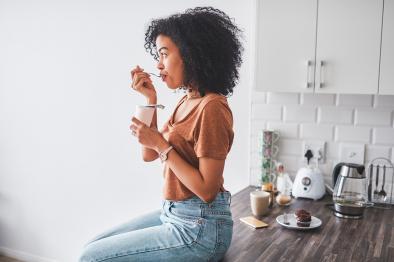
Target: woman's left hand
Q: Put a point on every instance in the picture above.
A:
(147, 136)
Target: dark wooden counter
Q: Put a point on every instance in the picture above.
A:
(368, 239)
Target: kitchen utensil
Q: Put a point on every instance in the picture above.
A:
(387, 183)
(370, 183)
(153, 74)
(382, 193)
(155, 106)
(285, 219)
(349, 196)
(376, 191)
(292, 222)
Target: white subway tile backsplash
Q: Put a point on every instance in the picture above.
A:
(354, 100)
(285, 130)
(335, 115)
(372, 117)
(290, 163)
(266, 112)
(257, 126)
(392, 155)
(317, 131)
(332, 150)
(353, 134)
(290, 147)
(283, 98)
(299, 113)
(259, 98)
(336, 119)
(372, 152)
(384, 136)
(384, 101)
(317, 99)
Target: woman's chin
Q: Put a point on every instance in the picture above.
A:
(172, 87)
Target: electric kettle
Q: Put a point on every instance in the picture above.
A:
(350, 191)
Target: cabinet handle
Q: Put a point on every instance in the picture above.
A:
(321, 82)
(308, 65)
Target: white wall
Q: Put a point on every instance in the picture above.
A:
(360, 120)
(69, 167)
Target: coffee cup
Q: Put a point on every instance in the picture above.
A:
(259, 202)
(270, 151)
(144, 113)
(269, 137)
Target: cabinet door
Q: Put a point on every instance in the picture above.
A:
(386, 84)
(348, 46)
(285, 32)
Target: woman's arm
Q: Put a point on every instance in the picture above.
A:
(142, 83)
(205, 182)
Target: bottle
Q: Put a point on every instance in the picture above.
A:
(284, 185)
(280, 179)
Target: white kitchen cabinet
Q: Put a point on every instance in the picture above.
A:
(322, 46)
(386, 83)
(286, 33)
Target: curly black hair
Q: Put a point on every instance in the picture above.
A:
(209, 45)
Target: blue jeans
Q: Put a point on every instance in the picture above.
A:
(189, 230)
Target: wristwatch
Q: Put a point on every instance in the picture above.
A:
(163, 155)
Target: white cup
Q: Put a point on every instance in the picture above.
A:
(144, 113)
(259, 202)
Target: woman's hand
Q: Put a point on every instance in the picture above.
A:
(142, 83)
(147, 136)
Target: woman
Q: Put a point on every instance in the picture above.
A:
(198, 51)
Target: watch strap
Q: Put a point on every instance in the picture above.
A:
(163, 154)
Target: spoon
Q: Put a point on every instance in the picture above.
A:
(382, 193)
(153, 74)
(285, 221)
(156, 106)
(376, 191)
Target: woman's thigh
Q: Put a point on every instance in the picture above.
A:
(166, 242)
(141, 222)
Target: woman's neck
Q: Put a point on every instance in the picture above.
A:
(192, 93)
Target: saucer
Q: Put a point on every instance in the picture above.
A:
(293, 222)
(283, 205)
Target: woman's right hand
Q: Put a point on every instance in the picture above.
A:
(142, 83)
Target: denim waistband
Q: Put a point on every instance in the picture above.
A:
(222, 198)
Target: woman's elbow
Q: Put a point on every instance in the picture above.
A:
(148, 158)
(208, 198)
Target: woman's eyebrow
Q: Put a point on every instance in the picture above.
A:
(162, 48)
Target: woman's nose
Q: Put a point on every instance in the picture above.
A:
(160, 65)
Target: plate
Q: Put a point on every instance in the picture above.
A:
(293, 222)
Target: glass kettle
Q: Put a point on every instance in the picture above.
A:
(350, 191)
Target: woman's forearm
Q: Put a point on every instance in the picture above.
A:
(191, 177)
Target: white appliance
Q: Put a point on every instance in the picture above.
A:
(309, 183)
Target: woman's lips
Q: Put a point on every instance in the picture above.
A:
(163, 78)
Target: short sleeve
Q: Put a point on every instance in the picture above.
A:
(213, 134)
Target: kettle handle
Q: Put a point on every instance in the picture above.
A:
(336, 171)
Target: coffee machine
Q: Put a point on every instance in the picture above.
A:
(350, 191)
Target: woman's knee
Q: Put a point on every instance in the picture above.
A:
(88, 254)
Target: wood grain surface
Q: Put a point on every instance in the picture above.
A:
(368, 239)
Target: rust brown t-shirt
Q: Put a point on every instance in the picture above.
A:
(206, 131)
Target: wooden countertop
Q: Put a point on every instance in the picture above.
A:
(337, 239)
